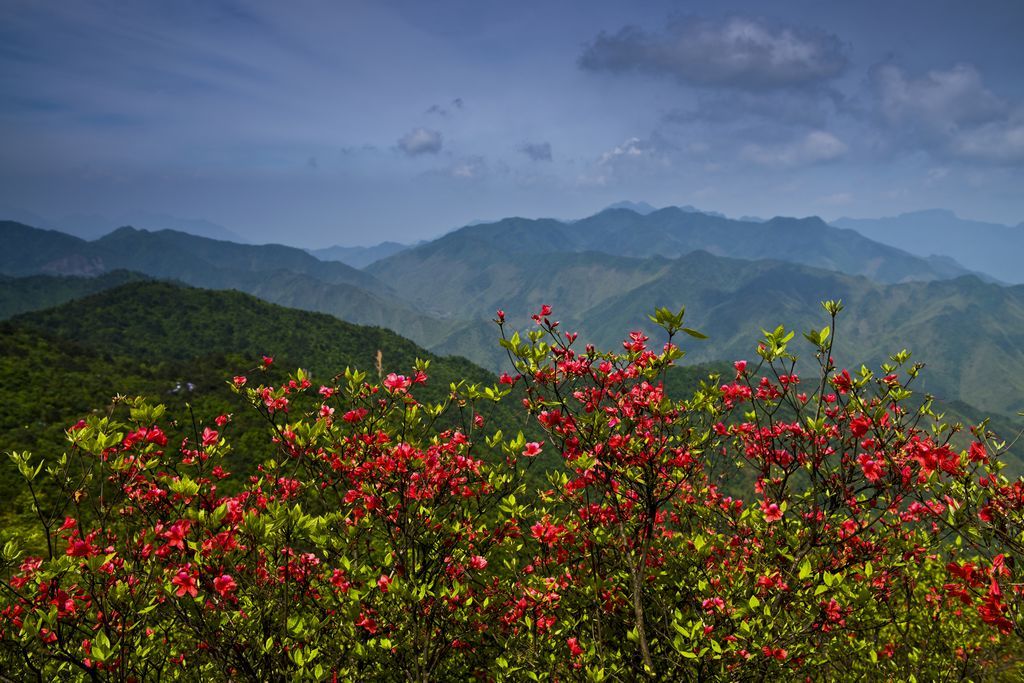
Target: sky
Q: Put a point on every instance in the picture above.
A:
(315, 123)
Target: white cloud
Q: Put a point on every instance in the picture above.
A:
(997, 141)
(421, 141)
(939, 100)
(631, 148)
(815, 147)
(950, 112)
(633, 157)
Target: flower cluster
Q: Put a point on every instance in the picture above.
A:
(767, 524)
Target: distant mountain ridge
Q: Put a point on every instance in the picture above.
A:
(90, 226)
(276, 273)
(673, 232)
(358, 257)
(604, 274)
(991, 248)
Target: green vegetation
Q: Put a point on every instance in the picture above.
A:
(32, 293)
(182, 345)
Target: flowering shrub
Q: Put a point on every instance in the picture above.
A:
(773, 525)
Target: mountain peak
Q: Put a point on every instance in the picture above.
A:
(642, 208)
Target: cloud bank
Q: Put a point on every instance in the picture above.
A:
(736, 52)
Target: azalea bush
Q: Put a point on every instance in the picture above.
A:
(776, 524)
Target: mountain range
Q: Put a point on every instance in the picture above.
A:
(986, 247)
(672, 232)
(603, 274)
(92, 226)
(358, 257)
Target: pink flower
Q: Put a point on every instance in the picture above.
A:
(397, 382)
(478, 562)
(711, 604)
(772, 512)
(210, 437)
(383, 582)
(176, 534)
(532, 449)
(574, 646)
(268, 361)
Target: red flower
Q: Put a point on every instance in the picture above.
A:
(79, 548)
(156, 435)
(574, 646)
(367, 622)
(383, 582)
(355, 415)
(175, 535)
(478, 562)
(186, 583)
(268, 361)
(225, 584)
(210, 437)
(872, 468)
(532, 449)
(977, 452)
(860, 425)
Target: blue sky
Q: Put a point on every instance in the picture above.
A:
(316, 123)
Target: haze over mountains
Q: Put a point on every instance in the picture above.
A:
(988, 247)
(602, 274)
(92, 226)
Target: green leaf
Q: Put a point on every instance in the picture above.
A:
(805, 569)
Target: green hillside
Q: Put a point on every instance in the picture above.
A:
(34, 292)
(181, 345)
(442, 294)
(279, 274)
(731, 300)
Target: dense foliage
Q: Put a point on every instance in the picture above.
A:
(396, 537)
(178, 345)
